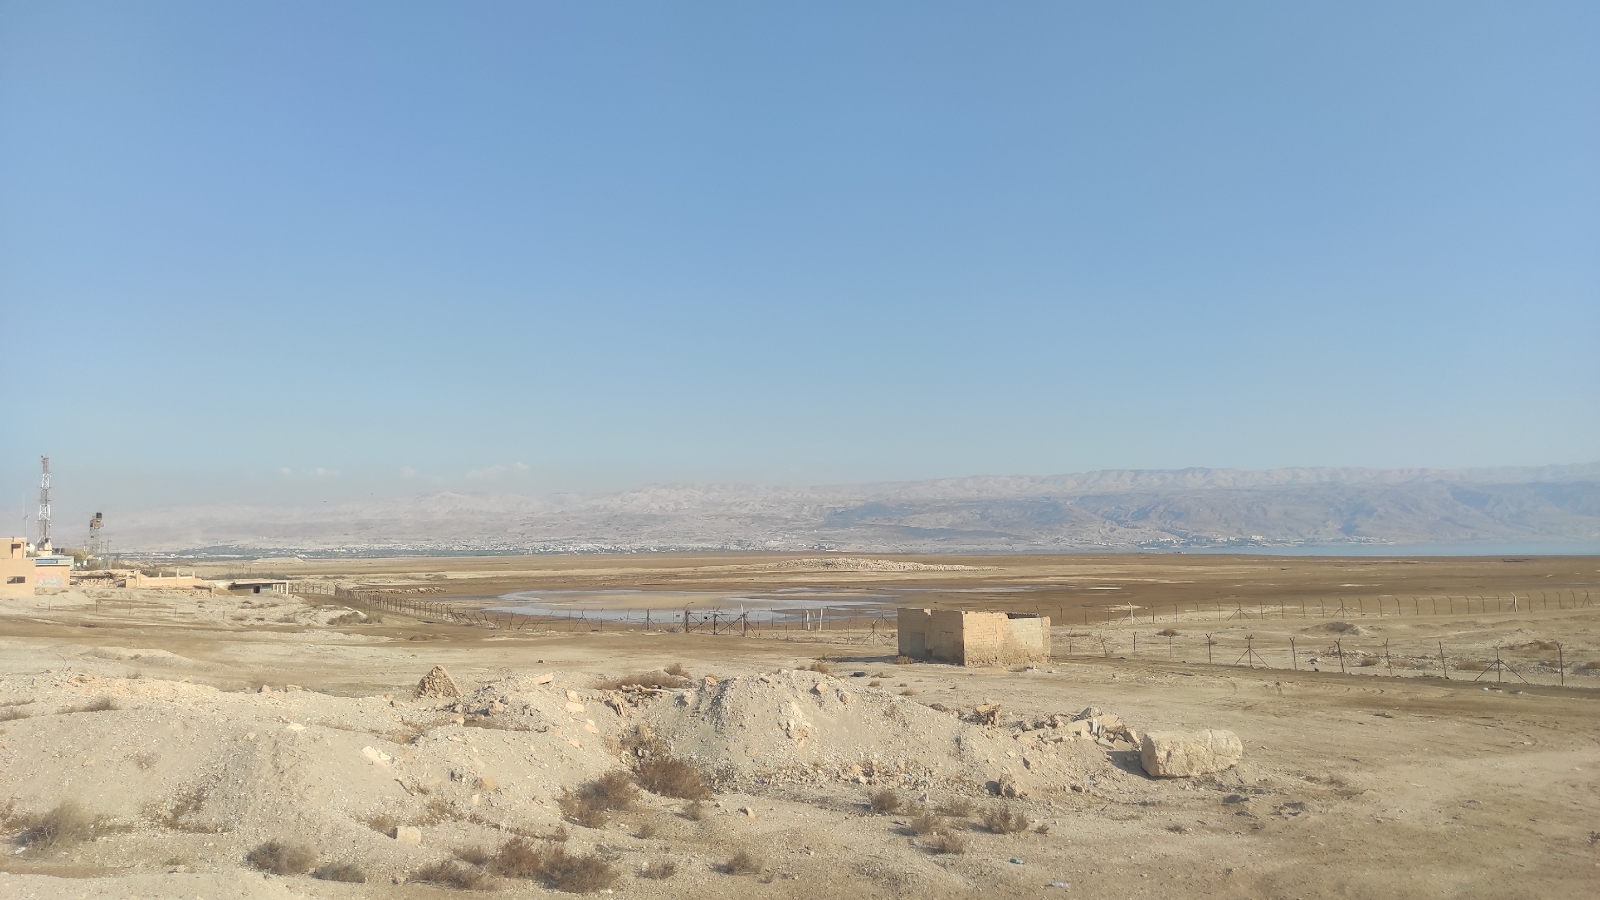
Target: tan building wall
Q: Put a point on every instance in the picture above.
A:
(973, 638)
(16, 571)
(166, 582)
(51, 574)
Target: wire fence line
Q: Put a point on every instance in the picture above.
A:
(1383, 605)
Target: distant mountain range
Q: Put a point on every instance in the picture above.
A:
(1109, 510)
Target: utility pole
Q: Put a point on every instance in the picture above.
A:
(44, 506)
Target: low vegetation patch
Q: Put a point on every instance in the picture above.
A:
(666, 776)
(349, 873)
(743, 862)
(553, 864)
(820, 667)
(957, 807)
(592, 803)
(952, 842)
(662, 680)
(697, 812)
(98, 704)
(450, 875)
(677, 669)
(660, 869)
(1002, 820)
(282, 858)
(477, 856)
(67, 824)
(927, 822)
(884, 801)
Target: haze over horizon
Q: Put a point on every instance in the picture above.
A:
(297, 253)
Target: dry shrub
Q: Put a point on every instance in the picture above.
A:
(179, 815)
(660, 869)
(1002, 820)
(948, 842)
(669, 777)
(743, 862)
(903, 660)
(348, 618)
(1168, 632)
(884, 801)
(643, 680)
(592, 803)
(1471, 665)
(1367, 662)
(649, 829)
(382, 823)
(908, 692)
(450, 875)
(958, 807)
(874, 683)
(349, 873)
(65, 825)
(820, 667)
(677, 669)
(477, 856)
(927, 822)
(281, 858)
(1591, 666)
(98, 704)
(697, 812)
(575, 873)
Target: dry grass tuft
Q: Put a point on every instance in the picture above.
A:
(1168, 632)
(592, 803)
(677, 669)
(1592, 665)
(820, 667)
(957, 807)
(874, 683)
(909, 692)
(669, 777)
(65, 825)
(476, 856)
(743, 862)
(553, 864)
(952, 842)
(927, 822)
(649, 830)
(1002, 820)
(884, 801)
(450, 875)
(282, 858)
(697, 812)
(349, 873)
(98, 704)
(660, 869)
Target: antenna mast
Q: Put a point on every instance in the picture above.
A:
(44, 506)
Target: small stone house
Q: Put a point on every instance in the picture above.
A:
(967, 638)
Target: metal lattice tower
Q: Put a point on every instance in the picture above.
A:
(96, 543)
(44, 506)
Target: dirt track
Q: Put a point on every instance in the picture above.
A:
(1352, 785)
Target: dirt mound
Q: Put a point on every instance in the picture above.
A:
(800, 726)
(1349, 628)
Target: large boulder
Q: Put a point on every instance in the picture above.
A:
(1180, 754)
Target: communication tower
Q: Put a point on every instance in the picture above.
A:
(44, 506)
(96, 546)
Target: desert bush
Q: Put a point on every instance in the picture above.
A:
(927, 822)
(382, 823)
(669, 777)
(349, 873)
(958, 807)
(820, 667)
(649, 829)
(592, 803)
(903, 660)
(1470, 665)
(1367, 662)
(947, 842)
(1591, 666)
(1168, 632)
(281, 858)
(348, 618)
(677, 669)
(909, 692)
(65, 825)
(660, 869)
(874, 683)
(642, 679)
(1002, 820)
(743, 862)
(553, 864)
(884, 801)
(697, 811)
(477, 856)
(450, 875)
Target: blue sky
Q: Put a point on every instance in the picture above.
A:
(286, 251)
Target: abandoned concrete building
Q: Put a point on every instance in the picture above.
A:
(16, 571)
(974, 638)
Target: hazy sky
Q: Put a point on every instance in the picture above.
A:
(262, 251)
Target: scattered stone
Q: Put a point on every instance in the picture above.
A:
(748, 811)
(1089, 713)
(987, 714)
(437, 683)
(1008, 788)
(1016, 862)
(1180, 754)
(407, 834)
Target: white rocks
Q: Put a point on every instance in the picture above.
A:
(1180, 754)
(407, 834)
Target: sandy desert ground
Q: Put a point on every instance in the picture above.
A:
(189, 729)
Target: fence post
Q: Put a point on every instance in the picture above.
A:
(1208, 649)
(1339, 646)
(1294, 657)
(1442, 666)
(1561, 664)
